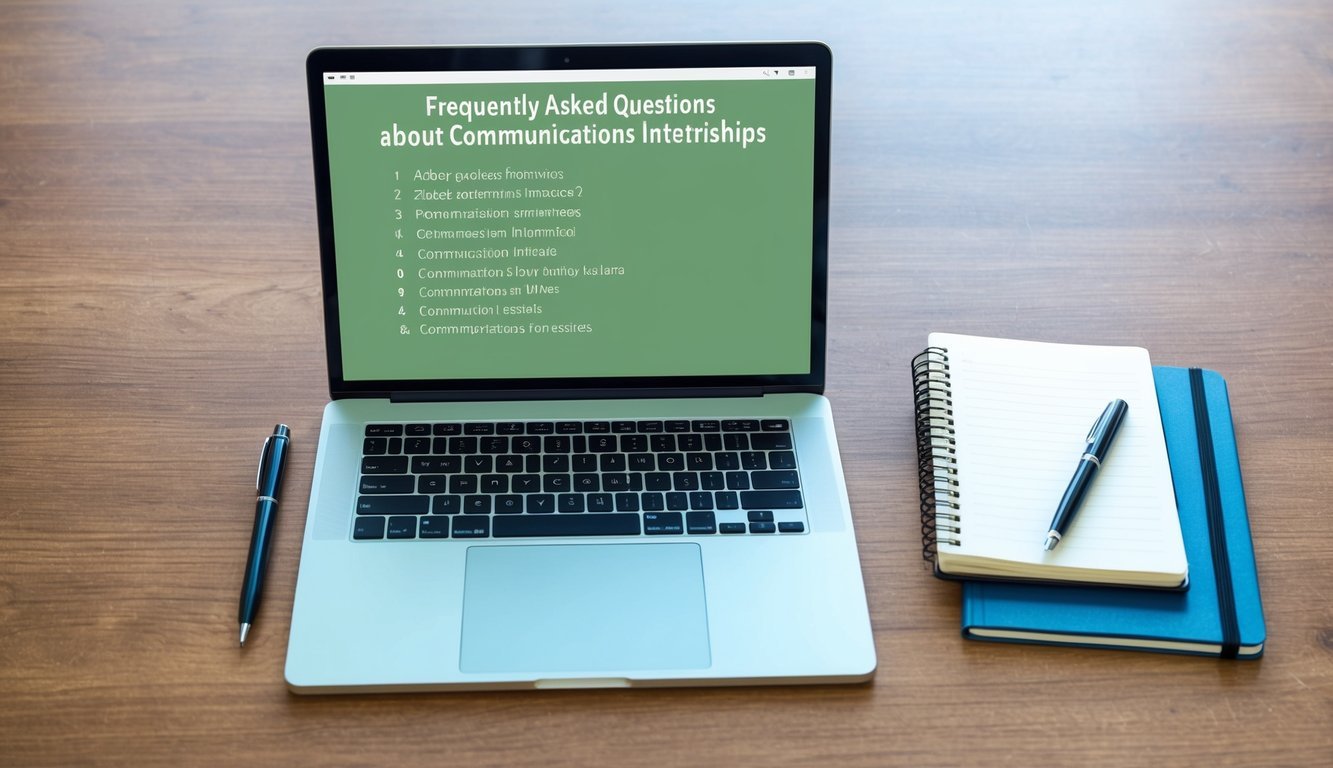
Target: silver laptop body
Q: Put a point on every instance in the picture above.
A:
(575, 319)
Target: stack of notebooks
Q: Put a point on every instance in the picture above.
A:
(1159, 556)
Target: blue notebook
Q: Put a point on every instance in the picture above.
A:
(1220, 614)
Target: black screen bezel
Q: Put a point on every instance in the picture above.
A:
(641, 56)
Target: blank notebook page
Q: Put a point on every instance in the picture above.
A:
(1022, 411)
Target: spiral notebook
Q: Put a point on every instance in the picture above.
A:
(1001, 424)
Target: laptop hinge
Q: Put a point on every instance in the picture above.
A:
(484, 395)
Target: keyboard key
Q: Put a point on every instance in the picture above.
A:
(436, 464)
(432, 483)
(671, 462)
(374, 446)
(383, 430)
(685, 481)
(759, 516)
(462, 483)
(774, 425)
(700, 522)
(509, 504)
(763, 528)
(447, 504)
(597, 427)
(448, 429)
(677, 426)
(782, 460)
(727, 500)
(740, 425)
(731, 528)
(387, 483)
(771, 441)
(647, 427)
(652, 502)
(477, 504)
(569, 502)
(706, 425)
(509, 428)
(598, 502)
(402, 527)
(627, 502)
(494, 445)
(784, 478)
(662, 523)
(479, 428)
(368, 528)
(416, 430)
(791, 527)
(701, 500)
(567, 525)
(384, 465)
(473, 526)
(753, 460)
(771, 499)
(622, 426)
(508, 464)
(433, 528)
(540, 504)
(527, 444)
(392, 505)
(542, 427)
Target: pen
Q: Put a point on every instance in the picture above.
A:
(1097, 444)
(272, 462)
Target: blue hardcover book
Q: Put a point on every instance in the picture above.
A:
(1220, 614)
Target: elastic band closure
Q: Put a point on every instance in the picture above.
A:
(1217, 534)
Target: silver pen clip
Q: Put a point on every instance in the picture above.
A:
(1096, 425)
(263, 459)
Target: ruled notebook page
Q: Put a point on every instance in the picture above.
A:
(1022, 411)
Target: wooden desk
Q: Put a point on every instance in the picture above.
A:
(1152, 172)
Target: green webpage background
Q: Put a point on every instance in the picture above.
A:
(714, 240)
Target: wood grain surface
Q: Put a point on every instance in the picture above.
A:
(1148, 172)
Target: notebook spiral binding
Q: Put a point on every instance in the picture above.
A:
(937, 463)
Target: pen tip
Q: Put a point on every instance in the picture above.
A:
(1051, 541)
(245, 630)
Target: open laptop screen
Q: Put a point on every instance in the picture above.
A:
(644, 224)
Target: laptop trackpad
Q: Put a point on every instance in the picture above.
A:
(597, 608)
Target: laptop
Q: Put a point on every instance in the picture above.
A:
(574, 301)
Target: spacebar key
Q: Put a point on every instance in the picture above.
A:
(571, 525)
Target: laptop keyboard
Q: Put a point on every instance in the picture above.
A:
(471, 480)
